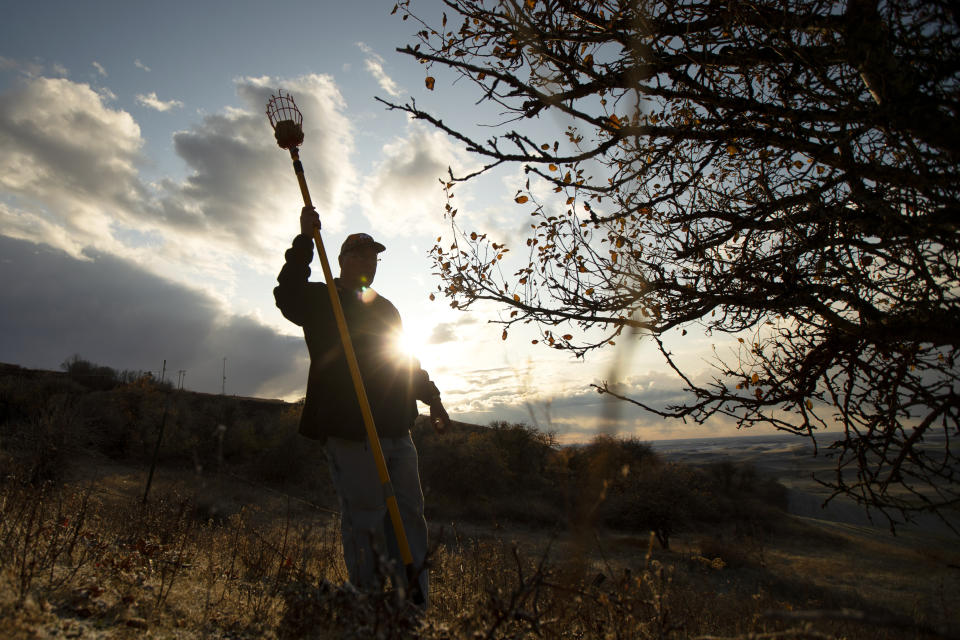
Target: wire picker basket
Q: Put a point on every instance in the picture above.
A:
(286, 120)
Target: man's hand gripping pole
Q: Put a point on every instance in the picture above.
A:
(286, 121)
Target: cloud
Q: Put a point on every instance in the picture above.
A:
(241, 184)
(447, 331)
(374, 64)
(140, 65)
(32, 68)
(403, 192)
(99, 68)
(70, 161)
(441, 333)
(153, 102)
(69, 172)
(573, 410)
(113, 312)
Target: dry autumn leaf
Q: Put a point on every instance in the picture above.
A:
(430, 82)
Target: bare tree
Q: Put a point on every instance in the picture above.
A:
(785, 171)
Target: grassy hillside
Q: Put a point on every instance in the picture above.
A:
(239, 535)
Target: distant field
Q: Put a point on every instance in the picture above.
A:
(791, 461)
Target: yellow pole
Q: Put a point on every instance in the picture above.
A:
(388, 493)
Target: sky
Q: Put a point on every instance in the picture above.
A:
(145, 207)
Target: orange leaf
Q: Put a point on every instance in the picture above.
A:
(504, 336)
(430, 82)
(521, 199)
(567, 336)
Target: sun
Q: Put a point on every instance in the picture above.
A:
(409, 342)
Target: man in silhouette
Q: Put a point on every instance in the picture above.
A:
(331, 412)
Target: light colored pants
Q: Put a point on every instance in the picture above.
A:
(365, 525)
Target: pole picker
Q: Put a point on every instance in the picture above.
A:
(286, 120)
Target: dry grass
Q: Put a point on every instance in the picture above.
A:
(95, 563)
(111, 562)
(913, 575)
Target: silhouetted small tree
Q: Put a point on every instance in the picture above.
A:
(90, 374)
(782, 171)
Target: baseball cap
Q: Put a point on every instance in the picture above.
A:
(358, 241)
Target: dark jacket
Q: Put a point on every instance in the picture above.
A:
(393, 382)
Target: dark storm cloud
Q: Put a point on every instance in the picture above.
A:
(115, 313)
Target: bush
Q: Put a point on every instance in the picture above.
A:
(90, 375)
(504, 471)
(40, 443)
(624, 484)
(286, 458)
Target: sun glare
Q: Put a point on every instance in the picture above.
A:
(408, 342)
